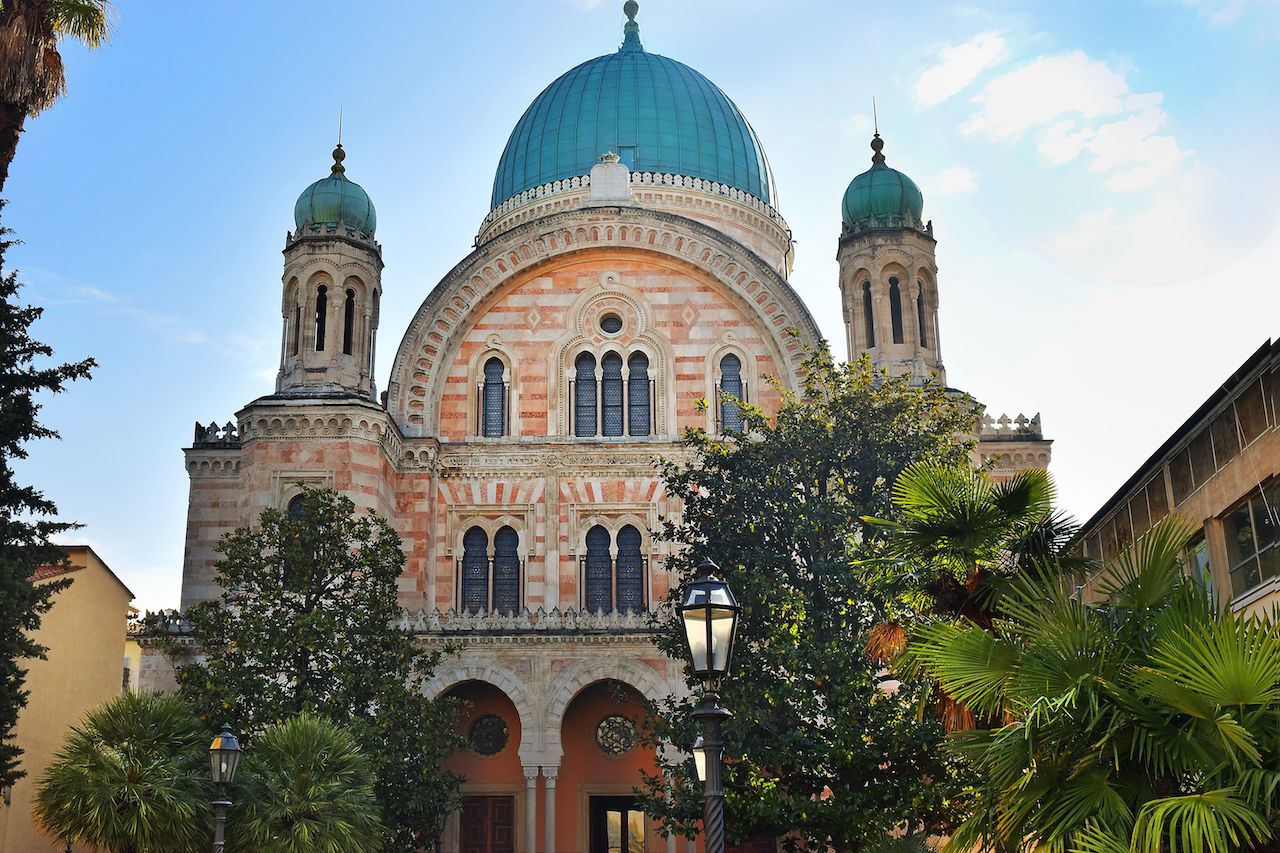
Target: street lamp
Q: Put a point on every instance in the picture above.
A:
(710, 616)
(224, 757)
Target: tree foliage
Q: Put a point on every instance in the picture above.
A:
(308, 788)
(1148, 721)
(132, 778)
(308, 621)
(27, 517)
(816, 751)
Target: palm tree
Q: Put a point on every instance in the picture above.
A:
(31, 72)
(132, 778)
(1149, 721)
(307, 788)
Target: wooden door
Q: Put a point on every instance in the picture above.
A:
(488, 825)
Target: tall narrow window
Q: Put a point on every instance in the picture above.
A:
(730, 385)
(611, 393)
(895, 309)
(494, 399)
(630, 570)
(584, 395)
(475, 571)
(599, 572)
(639, 417)
(322, 310)
(506, 570)
(924, 335)
(867, 316)
(296, 330)
(349, 322)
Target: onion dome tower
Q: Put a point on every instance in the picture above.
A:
(888, 275)
(332, 287)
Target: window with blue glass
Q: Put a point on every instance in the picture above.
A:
(506, 570)
(630, 570)
(474, 570)
(493, 399)
(639, 409)
(731, 393)
(611, 393)
(584, 395)
(598, 571)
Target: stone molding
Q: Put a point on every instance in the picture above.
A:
(213, 463)
(445, 315)
(571, 622)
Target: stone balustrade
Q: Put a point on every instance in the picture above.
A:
(525, 621)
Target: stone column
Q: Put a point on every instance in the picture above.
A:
(549, 794)
(531, 808)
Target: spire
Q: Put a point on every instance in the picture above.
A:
(338, 156)
(631, 30)
(877, 145)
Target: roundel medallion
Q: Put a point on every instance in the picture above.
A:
(616, 734)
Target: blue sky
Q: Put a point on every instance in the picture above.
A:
(1101, 177)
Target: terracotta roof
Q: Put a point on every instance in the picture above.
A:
(45, 572)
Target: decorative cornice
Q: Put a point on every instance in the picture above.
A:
(567, 623)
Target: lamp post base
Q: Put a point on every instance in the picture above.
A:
(711, 715)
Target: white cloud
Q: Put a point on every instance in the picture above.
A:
(858, 124)
(1223, 12)
(955, 180)
(958, 66)
(1043, 90)
(1089, 110)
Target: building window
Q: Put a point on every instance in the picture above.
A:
(506, 571)
(611, 393)
(349, 322)
(895, 309)
(493, 400)
(868, 317)
(630, 570)
(639, 391)
(488, 734)
(322, 308)
(599, 571)
(1251, 411)
(610, 583)
(475, 571)
(584, 395)
(924, 335)
(1198, 562)
(730, 393)
(1252, 552)
(296, 331)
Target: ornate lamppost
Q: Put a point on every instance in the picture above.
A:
(224, 757)
(710, 616)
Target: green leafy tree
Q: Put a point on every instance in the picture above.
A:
(32, 76)
(27, 522)
(309, 621)
(1148, 721)
(307, 788)
(132, 778)
(817, 751)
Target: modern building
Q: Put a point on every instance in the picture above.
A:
(634, 264)
(84, 667)
(1219, 470)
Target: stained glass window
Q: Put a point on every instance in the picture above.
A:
(495, 399)
(639, 417)
(488, 734)
(584, 395)
(630, 570)
(506, 570)
(599, 580)
(611, 393)
(731, 384)
(475, 570)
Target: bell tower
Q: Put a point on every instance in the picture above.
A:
(888, 275)
(332, 288)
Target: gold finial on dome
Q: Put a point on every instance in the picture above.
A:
(338, 156)
(877, 145)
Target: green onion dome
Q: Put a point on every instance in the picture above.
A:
(657, 114)
(334, 200)
(882, 197)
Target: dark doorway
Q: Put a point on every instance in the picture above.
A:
(488, 825)
(617, 825)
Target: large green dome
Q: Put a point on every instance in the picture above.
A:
(882, 197)
(657, 114)
(335, 199)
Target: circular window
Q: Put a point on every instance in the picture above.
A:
(488, 735)
(616, 734)
(611, 324)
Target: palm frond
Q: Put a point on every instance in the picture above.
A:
(1210, 822)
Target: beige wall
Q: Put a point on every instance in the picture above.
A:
(85, 635)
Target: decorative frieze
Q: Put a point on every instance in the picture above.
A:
(569, 621)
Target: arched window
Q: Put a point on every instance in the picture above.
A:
(730, 385)
(867, 315)
(322, 309)
(475, 571)
(349, 322)
(584, 395)
(296, 331)
(599, 572)
(297, 507)
(639, 416)
(611, 393)
(895, 309)
(506, 570)
(630, 570)
(924, 336)
(493, 400)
